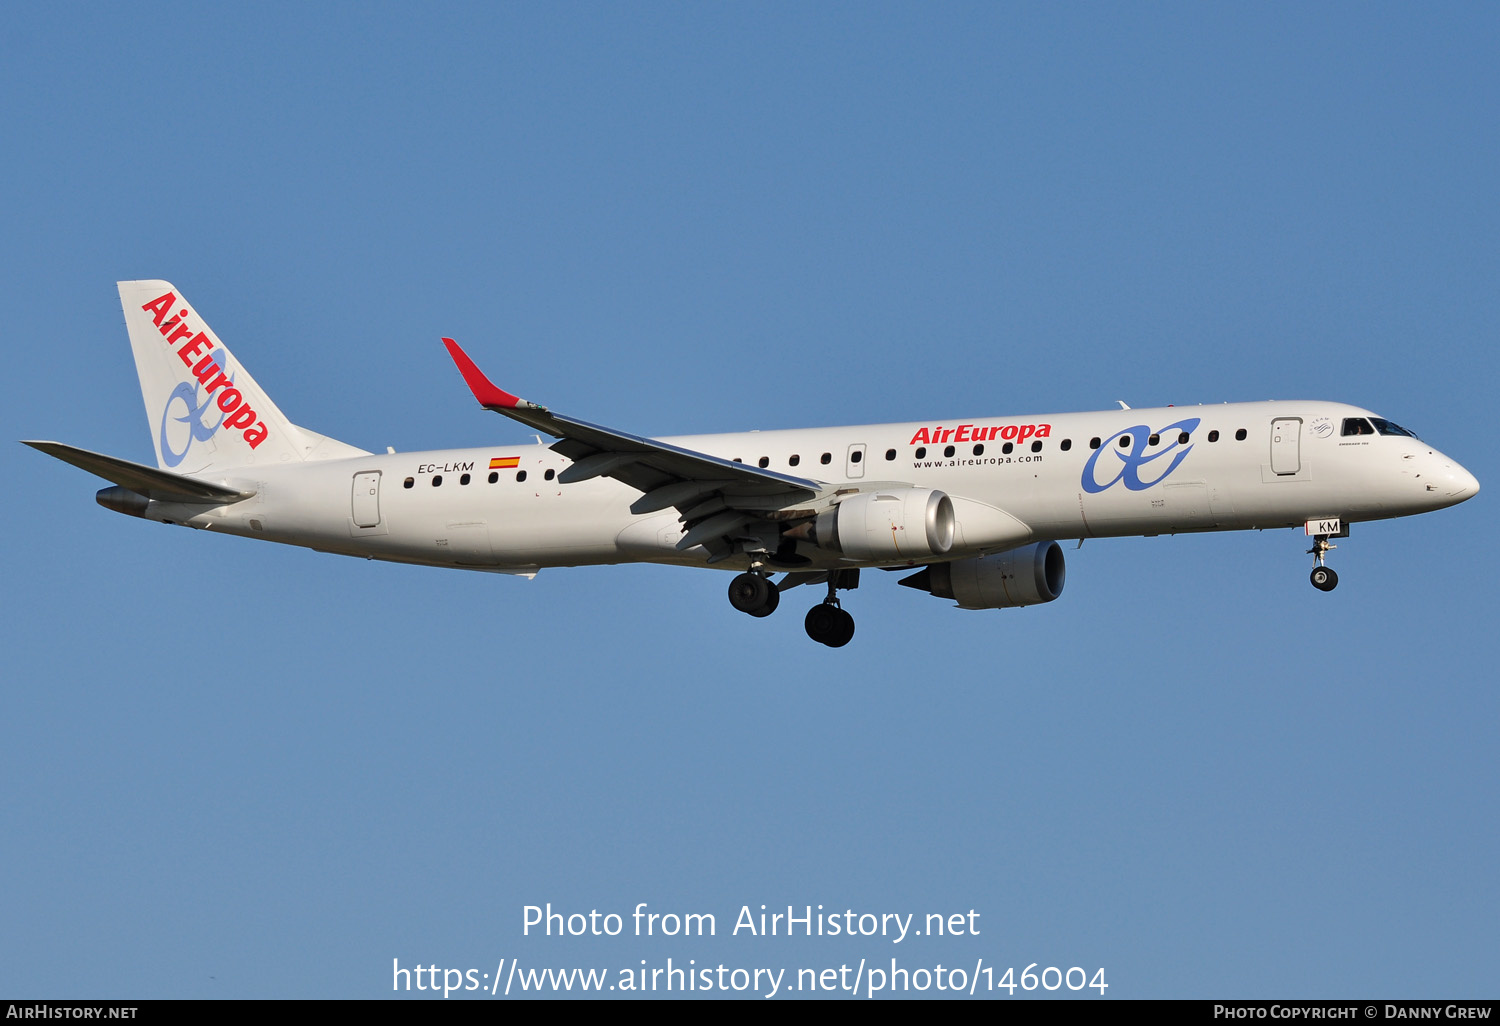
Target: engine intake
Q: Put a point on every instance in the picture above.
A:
(1026, 576)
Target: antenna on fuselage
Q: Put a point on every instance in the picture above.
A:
(1122, 404)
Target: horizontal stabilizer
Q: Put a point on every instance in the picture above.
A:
(161, 485)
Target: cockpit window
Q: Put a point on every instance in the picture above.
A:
(1357, 426)
(1385, 427)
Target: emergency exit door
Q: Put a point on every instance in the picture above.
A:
(854, 461)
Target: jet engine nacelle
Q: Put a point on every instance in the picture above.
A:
(898, 524)
(1018, 577)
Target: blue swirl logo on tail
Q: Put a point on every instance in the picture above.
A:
(186, 393)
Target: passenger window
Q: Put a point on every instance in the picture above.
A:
(437, 479)
(1036, 446)
(1008, 448)
(1065, 444)
(550, 474)
(948, 450)
(890, 454)
(1124, 441)
(979, 450)
(1213, 436)
(520, 475)
(1182, 439)
(494, 477)
(408, 482)
(1239, 436)
(826, 458)
(793, 460)
(921, 452)
(764, 461)
(1094, 442)
(856, 456)
(1154, 440)
(464, 479)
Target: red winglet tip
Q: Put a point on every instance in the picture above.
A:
(486, 391)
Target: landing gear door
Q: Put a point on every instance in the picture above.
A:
(1286, 446)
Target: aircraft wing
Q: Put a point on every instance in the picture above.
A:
(717, 497)
(162, 485)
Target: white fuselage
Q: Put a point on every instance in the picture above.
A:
(1241, 466)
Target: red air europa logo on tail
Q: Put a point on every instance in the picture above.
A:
(194, 353)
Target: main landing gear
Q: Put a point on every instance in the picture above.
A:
(1323, 578)
(754, 594)
(827, 623)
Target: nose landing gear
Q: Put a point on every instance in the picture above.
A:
(1323, 578)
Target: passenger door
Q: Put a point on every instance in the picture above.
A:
(365, 499)
(1286, 446)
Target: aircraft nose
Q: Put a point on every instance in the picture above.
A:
(1445, 482)
(1449, 479)
(1463, 485)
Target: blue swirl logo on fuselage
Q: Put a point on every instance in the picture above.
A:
(1134, 457)
(186, 393)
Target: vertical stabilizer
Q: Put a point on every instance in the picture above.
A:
(205, 410)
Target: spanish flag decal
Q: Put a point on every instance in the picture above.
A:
(505, 462)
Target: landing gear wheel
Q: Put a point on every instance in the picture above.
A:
(844, 633)
(773, 599)
(1324, 579)
(753, 594)
(829, 625)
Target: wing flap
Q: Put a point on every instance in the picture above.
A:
(682, 494)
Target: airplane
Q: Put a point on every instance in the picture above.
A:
(974, 508)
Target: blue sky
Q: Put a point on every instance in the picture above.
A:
(243, 770)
